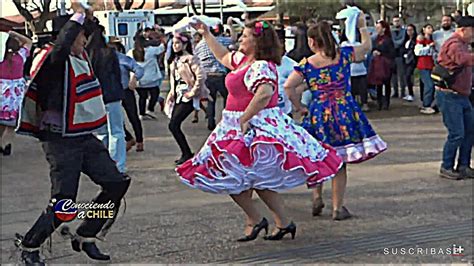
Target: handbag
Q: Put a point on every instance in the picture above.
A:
(443, 77)
(380, 70)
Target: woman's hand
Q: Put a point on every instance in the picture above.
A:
(376, 53)
(200, 26)
(188, 95)
(244, 126)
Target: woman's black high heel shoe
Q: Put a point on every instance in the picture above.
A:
(255, 231)
(290, 229)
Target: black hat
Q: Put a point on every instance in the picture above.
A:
(59, 22)
(466, 21)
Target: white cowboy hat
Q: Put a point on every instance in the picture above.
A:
(3, 44)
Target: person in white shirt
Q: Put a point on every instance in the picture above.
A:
(149, 84)
(441, 35)
(284, 70)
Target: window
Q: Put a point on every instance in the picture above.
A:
(122, 29)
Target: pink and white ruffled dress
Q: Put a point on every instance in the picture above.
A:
(275, 154)
(13, 87)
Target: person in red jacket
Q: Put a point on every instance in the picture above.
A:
(424, 49)
(453, 101)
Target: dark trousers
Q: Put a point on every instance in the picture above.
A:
(68, 158)
(180, 112)
(153, 92)
(383, 94)
(422, 89)
(129, 103)
(359, 87)
(409, 70)
(398, 77)
(215, 83)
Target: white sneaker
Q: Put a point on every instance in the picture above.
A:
(409, 98)
(427, 110)
(365, 108)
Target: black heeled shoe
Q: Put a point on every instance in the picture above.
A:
(89, 248)
(7, 151)
(183, 159)
(290, 229)
(255, 231)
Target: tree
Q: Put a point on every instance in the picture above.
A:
(37, 24)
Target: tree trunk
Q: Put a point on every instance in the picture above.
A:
(157, 4)
(128, 4)
(193, 7)
(117, 5)
(142, 4)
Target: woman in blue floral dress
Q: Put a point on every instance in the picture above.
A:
(334, 117)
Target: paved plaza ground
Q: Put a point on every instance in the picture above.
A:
(397, 198)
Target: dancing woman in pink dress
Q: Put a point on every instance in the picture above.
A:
(256, 146)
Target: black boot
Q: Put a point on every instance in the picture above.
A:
(89, 248)
(31, 258)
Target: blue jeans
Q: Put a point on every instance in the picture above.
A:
(113, 135)
(458, 117)
(429, 90)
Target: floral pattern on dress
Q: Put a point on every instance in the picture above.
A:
(334, 116)
(260, 72)
(12, 93)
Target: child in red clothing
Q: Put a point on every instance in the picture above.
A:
(424, 49)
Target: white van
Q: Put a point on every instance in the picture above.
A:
(125, 24)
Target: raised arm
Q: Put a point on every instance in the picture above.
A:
(366, 42)
(221, 53)
(233, 33)
(23, 40)
(66, 37)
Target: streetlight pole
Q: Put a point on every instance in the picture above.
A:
(400, 7)
(222, 10)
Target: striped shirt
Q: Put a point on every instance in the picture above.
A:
(208, 61)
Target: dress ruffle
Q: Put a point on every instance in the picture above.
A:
(365, 150)
(276, 154)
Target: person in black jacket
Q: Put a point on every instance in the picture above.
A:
(66, 115)
(383, 48)
(107, 69)
(409, 59)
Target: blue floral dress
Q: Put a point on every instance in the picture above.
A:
(334, 116)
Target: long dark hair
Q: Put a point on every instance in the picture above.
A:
(13, 46)
(321, 33)
(139, 48)
(423, 30)
(301, 49)
(186, 40)
(386, 28)
(267, 44)
(407, 38)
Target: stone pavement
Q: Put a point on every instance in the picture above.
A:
(397, 199)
